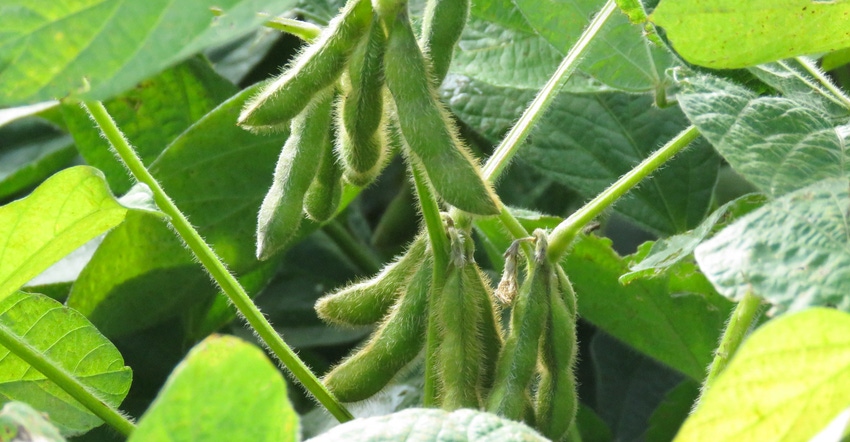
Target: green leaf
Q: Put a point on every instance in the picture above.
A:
(430, 425)
(672, 412)
(31, 152)
(728, 34)
(151, 115)
(95, 50)
(786, 382)
(675, 318)
(794, 252)
(140, 275)
(778, 144)
(588, 141)
(794, 80)
(656, 257)
(225, 389)
(620, 57)
(65, 339)
(20, 422)
(63, 213)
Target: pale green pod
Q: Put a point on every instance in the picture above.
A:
(556, 400)
(366, 302)
(518, 359)
(281, 212)
(442, 26)
(460, 351)
(396, 342)
(322, 198)
(313, 70)
(427, 129)
(362, 143)
(490, 327)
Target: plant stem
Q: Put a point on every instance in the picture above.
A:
(563, 235)
(520, 131)
(65, 381)
(736, 330)
(363, 258)
(818, 74)
(215, 266)
(439, 251)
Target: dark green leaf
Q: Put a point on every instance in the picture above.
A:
(151, 115)
(588, 141)
(225, 389)
(31, 151)
(96, 49)
(66, 339)
(778, 144)
(672, 412)
(794, 252)
(675, 318)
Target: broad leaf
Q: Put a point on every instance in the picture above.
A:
(671, 413)
(675, 318)
(778, 144)
(620, 56)
(786, 382)
(20, 422)
(667, 252)
(588, 141)
(31, 151)
(63, 213)
(794, 252)
(225, 389)
(63, 338)
(96, 49)
(430, 425)
(728, 34)
(793, 78)
(151, 115)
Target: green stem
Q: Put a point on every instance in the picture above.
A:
(363, 258)
(563, 235)
(65, 381)
(439, 251)
(214, 265)
(520, 131)
(818, 74)
(740, 321)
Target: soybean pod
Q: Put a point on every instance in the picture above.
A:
(397, 341)
(442, 26)
(366, 302)
(313, 70)
(428, 132)
(490, 326)
(518, 359)
(362, 142)
(460, 350)
(323, 195)
(281, 212)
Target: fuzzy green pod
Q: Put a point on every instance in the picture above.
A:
(556, 400)
(366, 302)
(362, 143)
(442, 26)
(518, 359)
(460, 352)
(313, 70)
(281, 212)
(427, 129)
(396, 342)
(490, 325)
(322, 198)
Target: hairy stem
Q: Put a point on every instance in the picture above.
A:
(213, 264)
(819, 75)
(65, 381)
(563, 235)
(439, 251)
(742, 318)
(362, 257)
